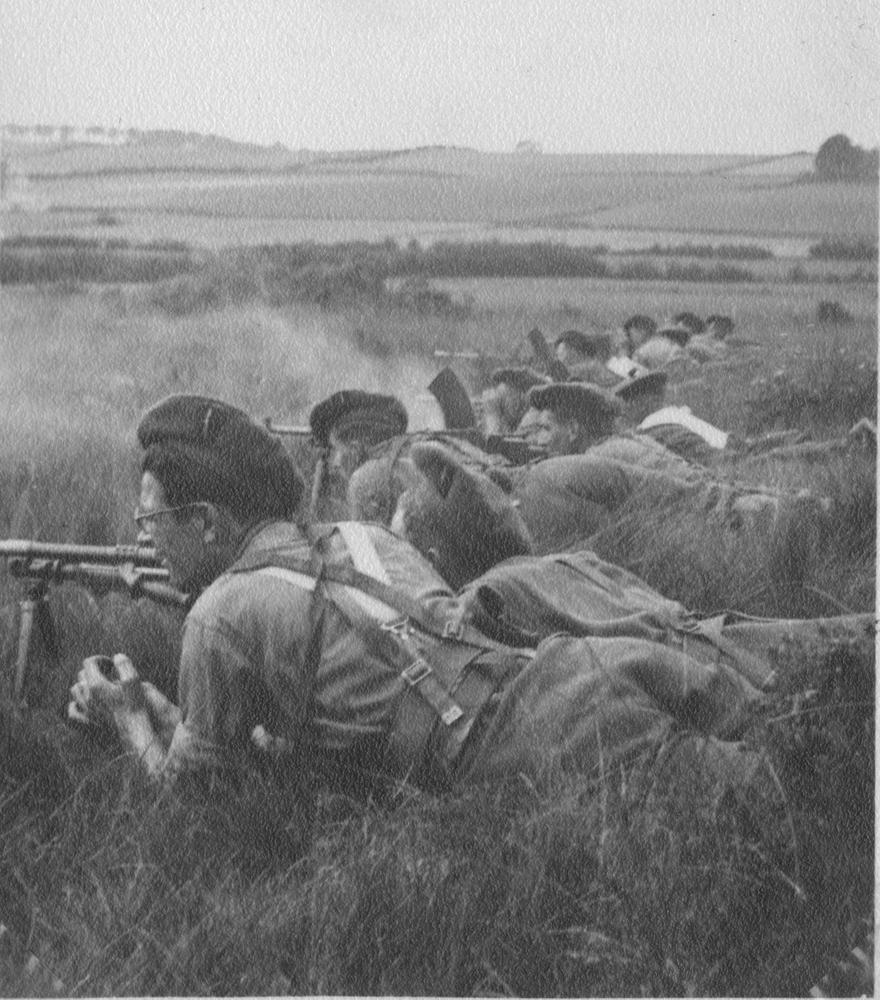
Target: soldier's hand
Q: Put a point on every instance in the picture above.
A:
(164, 714)
(103, 689)
(494, 410)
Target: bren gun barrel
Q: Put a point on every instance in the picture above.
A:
(140, 555)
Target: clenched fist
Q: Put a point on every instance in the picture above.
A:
(103, 690)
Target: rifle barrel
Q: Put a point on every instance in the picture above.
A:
(287, 429)
(140, 555)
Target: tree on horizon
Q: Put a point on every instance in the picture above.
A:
(839, 159)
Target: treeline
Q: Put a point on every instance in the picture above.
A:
(90, 243)
(844, 250)
(496, 260)
(725, 251)
(386, 275)
(185, 280)
(317, 268)
(36, 260)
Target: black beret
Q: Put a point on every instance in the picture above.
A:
(676, 332)
(691, 320)
(574, 400)
(721, 325)
(520, 378)
(354, 406)
(640, 322)
(234, 458)
(641, 385)
(593, 344)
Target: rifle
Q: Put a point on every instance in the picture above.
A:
(460, 421)
(465, 355)
(133, 568)
(552, 365)
(515, 448)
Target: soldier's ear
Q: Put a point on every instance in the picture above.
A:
(209, 515)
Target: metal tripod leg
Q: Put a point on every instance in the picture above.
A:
(32, 610)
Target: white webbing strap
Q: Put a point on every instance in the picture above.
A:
(365, 559)
(362, 550)
(375, 608)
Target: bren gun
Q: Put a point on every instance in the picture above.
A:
(132, 568)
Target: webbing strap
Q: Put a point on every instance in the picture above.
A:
(387, 593)
(391, 644)
(374, 608)
(392, 641)
(363, 551)
(414, 668)
(757, 670)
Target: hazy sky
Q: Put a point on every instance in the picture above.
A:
(700, 76)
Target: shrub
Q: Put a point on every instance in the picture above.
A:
(727, 272)
(838, 249)
(495, 259)
(676, 271)
(87, 261)
(639, 270)
(727, 251)
(831, 311)
(416, 294)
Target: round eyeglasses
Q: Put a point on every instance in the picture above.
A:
(144, 519)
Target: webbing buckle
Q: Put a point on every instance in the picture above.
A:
(398, 626)
(420, 676)
(453, 629)
(416, 672)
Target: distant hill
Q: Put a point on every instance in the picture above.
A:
(208, 190)
(61, 150)
(45, 151)
(55, 136)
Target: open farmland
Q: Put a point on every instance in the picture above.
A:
(220, 194)
(757, 208)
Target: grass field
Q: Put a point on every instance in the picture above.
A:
(611, 890)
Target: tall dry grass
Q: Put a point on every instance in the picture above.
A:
(616, 888)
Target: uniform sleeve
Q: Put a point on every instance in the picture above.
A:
(217, 696)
